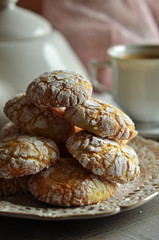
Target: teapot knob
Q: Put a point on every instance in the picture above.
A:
(6, 3)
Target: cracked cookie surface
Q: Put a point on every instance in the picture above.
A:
(106, 158)
(22, 155)
(46, 122)
(67, 183)
(59, 88)
(102, 119)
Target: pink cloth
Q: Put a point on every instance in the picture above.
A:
(92, 26)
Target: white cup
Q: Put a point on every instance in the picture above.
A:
(135, 84)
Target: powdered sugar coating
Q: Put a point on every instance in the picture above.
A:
(59, 88)
(67, 183)
(102, 119)
(13, 185)
(24, 155)
(106, 158)
(49, 122)
(10, 129)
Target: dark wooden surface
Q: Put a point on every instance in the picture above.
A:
(138, 224)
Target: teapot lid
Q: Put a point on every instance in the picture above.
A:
(17, 23)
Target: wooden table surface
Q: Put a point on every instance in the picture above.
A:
(141, 223)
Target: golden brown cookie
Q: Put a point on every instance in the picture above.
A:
(77, 129)
(59, 88)
(10, 129)
(106, 158)
(13, 185)
(24, 155)
(48, 123)
(102, 119)
(67, 183)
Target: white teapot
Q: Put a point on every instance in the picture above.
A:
(29, 46)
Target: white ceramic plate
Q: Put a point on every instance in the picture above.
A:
(128, 196)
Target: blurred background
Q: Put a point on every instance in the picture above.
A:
(43, 35)
(91, 26)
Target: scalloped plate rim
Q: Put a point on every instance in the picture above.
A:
(117, 208)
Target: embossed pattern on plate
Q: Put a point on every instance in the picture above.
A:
(128, 196)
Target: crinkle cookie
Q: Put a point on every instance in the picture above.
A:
(46, 122)
(24, 155)
(10, 129)
(13, 185)
(102, 119)
(59, 88)
(106, 158)
(67, 183)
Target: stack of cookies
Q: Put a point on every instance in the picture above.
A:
(65, 147)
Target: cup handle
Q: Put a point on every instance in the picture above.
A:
(94, 64)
